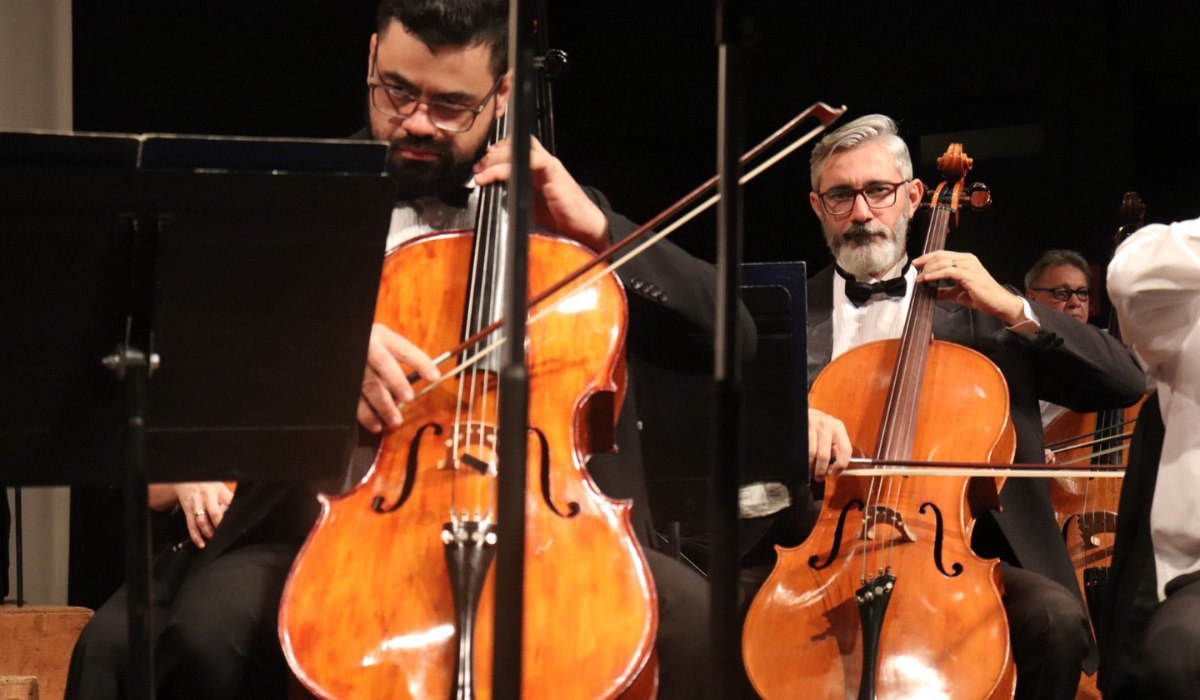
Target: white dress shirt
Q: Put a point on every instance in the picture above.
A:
(881, 318)
(1154, 282)
(417, 217)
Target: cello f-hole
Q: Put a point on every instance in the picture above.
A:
(410, 472)
(837, 536)
(937, 541)
(572, 507)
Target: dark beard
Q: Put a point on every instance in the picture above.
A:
(418, 179)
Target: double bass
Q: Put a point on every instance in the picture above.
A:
(392, 594)
(885, 598)
(1086, 508)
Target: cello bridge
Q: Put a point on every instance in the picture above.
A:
(473, 445)
(883, 515)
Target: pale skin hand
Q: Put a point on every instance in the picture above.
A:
(385, 381)
(828, 445)
(974, 286)
(559, 203)
(203, 504)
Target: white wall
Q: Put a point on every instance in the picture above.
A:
(35, 93)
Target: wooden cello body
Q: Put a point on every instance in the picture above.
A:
(392, 594)
(885, 598)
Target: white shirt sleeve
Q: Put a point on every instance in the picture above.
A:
(1154, 282)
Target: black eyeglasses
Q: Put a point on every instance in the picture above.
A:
(878, 195)
(1064, 293)
(395, 101)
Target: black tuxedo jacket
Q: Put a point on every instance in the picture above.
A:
(1069, 363)
(671, 303)
(1131, 594)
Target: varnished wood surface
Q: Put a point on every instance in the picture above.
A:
(943, 636)
(36, 640)
(368, 613)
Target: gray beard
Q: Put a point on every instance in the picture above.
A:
(865, 262)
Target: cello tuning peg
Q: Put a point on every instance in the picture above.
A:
(554, 64)
(979, 196)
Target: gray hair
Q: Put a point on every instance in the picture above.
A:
(873, 127)
(1055, 258)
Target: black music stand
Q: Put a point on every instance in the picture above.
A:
(776, 411)
(181, 309)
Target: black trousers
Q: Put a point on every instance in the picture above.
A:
(1168, 664)
(216, 630)
(1049, 633)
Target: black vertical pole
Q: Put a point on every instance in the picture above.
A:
(131, 364)
(137, 540)
(514, 376)
(724, 472)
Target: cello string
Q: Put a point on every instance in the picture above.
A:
(475, 315)
(916, 340)
(1117, 437)
(1087, 458)
(1082, 436)
(474, 288)
(490, 262)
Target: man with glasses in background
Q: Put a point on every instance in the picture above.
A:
(864, 193)
(1059, 280)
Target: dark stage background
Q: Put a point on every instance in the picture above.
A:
(1064, 105)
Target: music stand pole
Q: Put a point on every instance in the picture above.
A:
(727, 455)
(133, 367)
(514, 375)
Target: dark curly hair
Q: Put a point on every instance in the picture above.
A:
(453, 23)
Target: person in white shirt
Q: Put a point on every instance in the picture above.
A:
(865, 194)
(1154, 282)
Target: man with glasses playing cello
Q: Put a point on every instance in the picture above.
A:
(864, 194)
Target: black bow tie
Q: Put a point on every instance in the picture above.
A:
(860, 293)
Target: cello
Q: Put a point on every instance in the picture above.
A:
(404, 559)
(1086, 508)
(885, 598)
